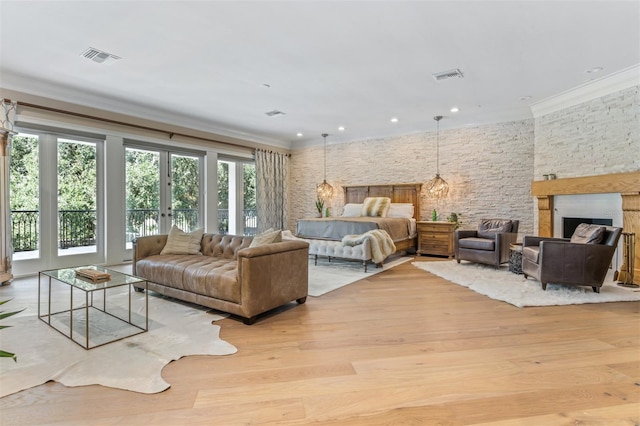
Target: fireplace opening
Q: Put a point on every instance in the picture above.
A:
(569, 224)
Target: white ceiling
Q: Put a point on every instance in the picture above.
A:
(357, 64)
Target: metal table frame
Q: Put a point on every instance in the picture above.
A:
(68, 276)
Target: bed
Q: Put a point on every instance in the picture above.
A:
(401, 229)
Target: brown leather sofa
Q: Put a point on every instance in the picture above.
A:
(489, 244)
(227, 275)
(560, 261)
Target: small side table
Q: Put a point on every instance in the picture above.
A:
(436, 238)
(515, 258)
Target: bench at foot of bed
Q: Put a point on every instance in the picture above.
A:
(335, 249)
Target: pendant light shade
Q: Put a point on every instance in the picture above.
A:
(324, 190)
(437, 187)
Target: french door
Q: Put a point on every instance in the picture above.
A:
(55, 185)
(163, 188)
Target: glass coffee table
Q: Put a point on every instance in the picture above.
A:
(100, 314)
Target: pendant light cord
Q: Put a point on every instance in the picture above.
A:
(324, 135)
(437, 118)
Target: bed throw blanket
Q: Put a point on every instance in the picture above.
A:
(379, 240)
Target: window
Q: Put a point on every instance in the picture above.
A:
(236, 197)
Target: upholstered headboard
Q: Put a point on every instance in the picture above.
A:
(399, 193)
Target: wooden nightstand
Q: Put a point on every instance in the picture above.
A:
(436, 238)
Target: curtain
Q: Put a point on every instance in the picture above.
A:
(6, 132)
(6, 247)
(272, 190)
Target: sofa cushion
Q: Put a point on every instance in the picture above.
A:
(477, 243)
(588, 234)
(211, 276)
(180, 242)
(225, 246)
(267, 237)
(488, 228)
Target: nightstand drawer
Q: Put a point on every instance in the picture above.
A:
(433, 236)
(433, 228)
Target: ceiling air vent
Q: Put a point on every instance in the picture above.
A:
(99, 56)
(447, 74)
(274, 113)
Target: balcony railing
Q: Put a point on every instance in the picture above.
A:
(77, 228)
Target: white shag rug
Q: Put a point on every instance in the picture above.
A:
(134, 363)
(328, 276)
(518, 291)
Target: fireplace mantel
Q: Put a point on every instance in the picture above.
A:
(625, 184)
(601, 184)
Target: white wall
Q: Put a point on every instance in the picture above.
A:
(489, 168)
(592, 138)
(595, 137)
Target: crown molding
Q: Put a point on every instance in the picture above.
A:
(611, 83)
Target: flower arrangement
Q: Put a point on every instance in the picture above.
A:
(455, 218)
(320, 206)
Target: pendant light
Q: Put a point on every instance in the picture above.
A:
(324, 190)
(437, 187)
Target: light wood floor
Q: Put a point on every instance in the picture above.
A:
(403, 347)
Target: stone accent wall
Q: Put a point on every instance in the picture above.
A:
(489, 169)
(593, 138)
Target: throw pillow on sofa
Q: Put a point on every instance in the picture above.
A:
(267, 237)
(180, 242)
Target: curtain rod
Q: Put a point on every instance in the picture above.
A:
(270, 151)
(122, 123)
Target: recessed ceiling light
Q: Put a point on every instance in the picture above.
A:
(593, 70)
(525, 98)
(394, 120)
(299, 135)
(341, 128)
(454, 109)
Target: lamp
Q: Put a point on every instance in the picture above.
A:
(437, 187)
(324, 190)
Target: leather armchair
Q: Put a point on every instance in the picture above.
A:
(559, 261)
(489, 244)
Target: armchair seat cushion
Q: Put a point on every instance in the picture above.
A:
(531, 253)
(477, 243)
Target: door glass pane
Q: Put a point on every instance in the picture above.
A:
(142, 183)
(77, 196)
(24, 190)
(185, 192)
(223, 197)
(249, 185)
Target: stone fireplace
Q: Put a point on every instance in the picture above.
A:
(614, 196)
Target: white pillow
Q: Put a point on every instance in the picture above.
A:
(400, 210)
(267, 237)
(180, 242)
(352, 210)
